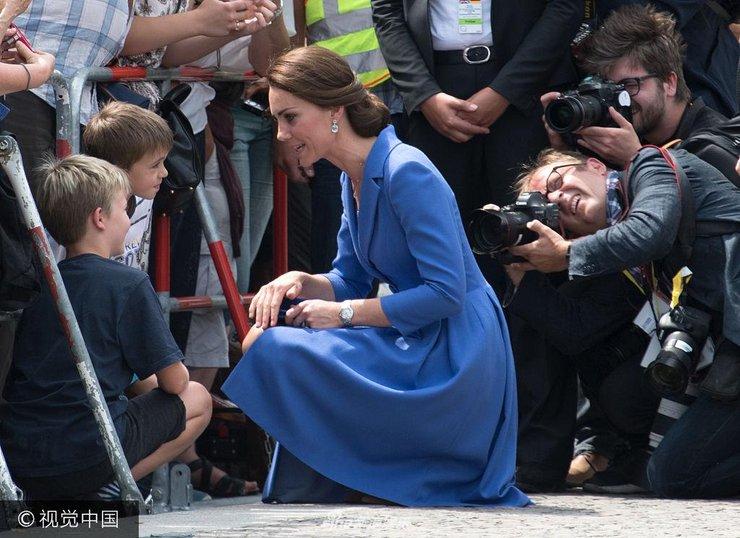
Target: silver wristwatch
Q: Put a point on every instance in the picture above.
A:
(346, 312)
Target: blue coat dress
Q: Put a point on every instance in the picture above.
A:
(422, 413)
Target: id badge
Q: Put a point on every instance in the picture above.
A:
(645, 320)
(470, 16)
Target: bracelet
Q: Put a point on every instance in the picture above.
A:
(28, 75)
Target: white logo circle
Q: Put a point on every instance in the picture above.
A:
(26, 519)
(624, 98)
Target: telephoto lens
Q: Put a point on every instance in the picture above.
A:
(570, 113)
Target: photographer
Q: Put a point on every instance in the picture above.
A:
(640, 48)
(627, 220)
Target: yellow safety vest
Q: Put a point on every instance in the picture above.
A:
(346, 27)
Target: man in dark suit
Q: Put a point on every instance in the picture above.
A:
(470, 74)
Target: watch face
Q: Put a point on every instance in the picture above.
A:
(345, 314)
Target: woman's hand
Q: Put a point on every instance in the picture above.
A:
(12, 8)
(265, 305)
(262, 13)
(40, 64)
(314, 313)
(219, 18)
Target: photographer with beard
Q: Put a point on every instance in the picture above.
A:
(640, 47)
(637, 219)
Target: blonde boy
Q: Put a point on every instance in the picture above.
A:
(50, 437)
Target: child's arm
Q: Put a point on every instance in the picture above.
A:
(174, 378)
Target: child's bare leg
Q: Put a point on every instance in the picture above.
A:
(197, 402)
(252, 335)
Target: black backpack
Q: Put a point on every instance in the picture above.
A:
(719, 146)
(20, 279)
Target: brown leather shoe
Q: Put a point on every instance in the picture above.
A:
(584, 466)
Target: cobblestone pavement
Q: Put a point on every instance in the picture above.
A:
(572, 514)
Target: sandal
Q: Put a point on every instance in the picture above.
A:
(227, 486)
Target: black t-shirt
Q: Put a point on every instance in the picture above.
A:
(48, 427)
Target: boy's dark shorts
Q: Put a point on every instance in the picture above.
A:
(151, 420)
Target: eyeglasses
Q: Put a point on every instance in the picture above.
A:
(131, 206)
(632, 84)
(555, 179)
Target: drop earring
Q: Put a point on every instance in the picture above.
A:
(334, 126)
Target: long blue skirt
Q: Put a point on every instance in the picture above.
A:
(428, 419)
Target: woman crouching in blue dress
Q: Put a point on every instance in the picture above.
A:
(409, 398)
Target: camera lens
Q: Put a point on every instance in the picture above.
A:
(669, 373)
(668, 379)
(568, 114)
(484, 231)
(490, 231)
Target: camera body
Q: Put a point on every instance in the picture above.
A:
(490, 231)
(588, 105)
(682, 331)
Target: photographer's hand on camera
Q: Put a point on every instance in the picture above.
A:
(265, 305)
(556, 141)
(547, 254)
(614, 144)
(442, 112)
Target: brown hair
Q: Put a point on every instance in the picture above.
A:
(546, 157)
(70, 189)
(644, 35)
(324, 78)
(122, 134)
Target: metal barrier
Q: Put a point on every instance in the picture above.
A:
(69, 137)
(68, 101)
(10, 160)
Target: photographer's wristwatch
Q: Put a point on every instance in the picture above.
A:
(346, 312)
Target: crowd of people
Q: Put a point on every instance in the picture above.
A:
(590, 338)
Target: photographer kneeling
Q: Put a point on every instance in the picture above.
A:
(651, 214)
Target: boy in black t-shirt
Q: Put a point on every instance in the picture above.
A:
(49, 435)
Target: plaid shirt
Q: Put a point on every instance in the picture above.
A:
(80, 33)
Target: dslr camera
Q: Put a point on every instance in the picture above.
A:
(588, 105)
(682, 331)
(491, 231)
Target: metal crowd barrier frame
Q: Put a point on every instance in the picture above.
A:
(68, 137)
(10, 160)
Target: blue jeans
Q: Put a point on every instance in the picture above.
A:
(252, 159)
(699, 456)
